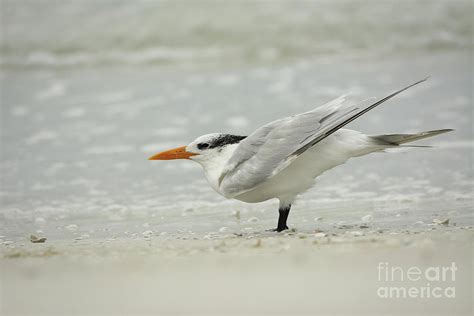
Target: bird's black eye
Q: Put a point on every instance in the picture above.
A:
(202, 146)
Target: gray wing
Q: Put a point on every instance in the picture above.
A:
(272, 147)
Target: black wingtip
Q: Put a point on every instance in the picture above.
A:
(440, 131)
(413, 84)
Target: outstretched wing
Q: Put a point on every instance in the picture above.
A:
(272, 147)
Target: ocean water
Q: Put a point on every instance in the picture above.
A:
(90, 90)
(218, 33)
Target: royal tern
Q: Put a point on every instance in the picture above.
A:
(282, 159)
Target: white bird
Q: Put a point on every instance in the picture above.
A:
(282, 159)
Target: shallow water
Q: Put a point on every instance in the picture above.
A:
(82, 110)
(75, 144)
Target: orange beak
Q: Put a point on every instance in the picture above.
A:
(175, 153)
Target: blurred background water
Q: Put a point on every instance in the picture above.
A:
(90, 89)
(222, 34)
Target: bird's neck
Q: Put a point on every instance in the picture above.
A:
(215, 164)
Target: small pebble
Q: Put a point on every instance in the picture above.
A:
(441, 222)
(253, 220)
(35, 239)
(147, 233)
(345, 226)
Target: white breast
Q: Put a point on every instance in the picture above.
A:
(214, 164)
(300, 175)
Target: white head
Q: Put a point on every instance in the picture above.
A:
(211, 151)
(202, 149)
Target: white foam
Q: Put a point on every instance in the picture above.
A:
(41, 136)
(55, 89)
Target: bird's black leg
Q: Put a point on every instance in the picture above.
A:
(284, 211)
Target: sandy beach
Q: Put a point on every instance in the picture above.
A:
(254, 274)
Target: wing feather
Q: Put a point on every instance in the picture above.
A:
(274, 146)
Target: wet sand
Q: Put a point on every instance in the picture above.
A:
(264, 273)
